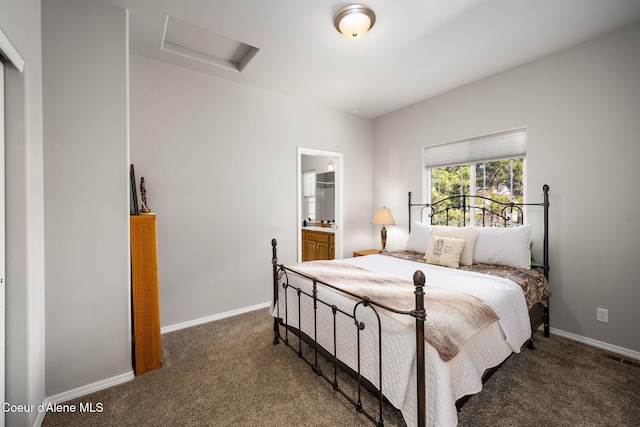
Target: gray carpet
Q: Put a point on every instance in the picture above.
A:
(228, 373)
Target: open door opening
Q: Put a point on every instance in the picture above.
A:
(319, 179)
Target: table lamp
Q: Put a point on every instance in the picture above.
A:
(383, 217)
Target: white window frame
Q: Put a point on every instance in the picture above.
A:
(309, 189)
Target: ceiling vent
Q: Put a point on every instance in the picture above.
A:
(197, 43)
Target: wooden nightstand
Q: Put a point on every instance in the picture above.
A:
(366, 252)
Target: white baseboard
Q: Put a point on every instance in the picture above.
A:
(82, 391)
(208, 319)
(595, 343)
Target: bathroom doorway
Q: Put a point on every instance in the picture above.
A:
(324, 202)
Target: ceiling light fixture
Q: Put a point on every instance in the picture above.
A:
(354, 20)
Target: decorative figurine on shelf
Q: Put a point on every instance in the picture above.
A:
(143, 194)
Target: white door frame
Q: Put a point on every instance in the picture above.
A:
(8, 51)
(14, 59)
(339, 231)
(2, 247)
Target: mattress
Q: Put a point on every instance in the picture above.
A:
(446, 382)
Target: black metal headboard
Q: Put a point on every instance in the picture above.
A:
(494, 213)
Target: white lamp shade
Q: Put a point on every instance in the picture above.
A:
(383, 217)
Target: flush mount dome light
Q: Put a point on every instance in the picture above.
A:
(354, 20)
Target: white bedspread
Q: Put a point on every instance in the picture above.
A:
(445, 381)
(502, 295)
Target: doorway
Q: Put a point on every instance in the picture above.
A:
(325, 163)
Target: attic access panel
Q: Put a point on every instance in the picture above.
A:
(197, 43)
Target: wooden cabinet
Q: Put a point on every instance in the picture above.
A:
(145, 295)
(317, 245)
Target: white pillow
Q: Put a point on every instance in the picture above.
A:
(503, 246)
(468, 234)
(419, 237)
(444, 251)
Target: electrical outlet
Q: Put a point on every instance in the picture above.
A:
(602, 315)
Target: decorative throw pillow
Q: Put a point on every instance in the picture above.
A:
(468, 234)
(444, 251)
(419, 237)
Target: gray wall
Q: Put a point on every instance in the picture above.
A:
(581, 107)
(219, 162)
(85, 60)
(25, 379)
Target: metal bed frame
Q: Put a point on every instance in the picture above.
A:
(419, 313)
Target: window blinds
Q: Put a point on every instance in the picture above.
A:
(503, 145)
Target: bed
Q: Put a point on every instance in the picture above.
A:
(425, 326)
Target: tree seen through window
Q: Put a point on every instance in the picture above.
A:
(501, 180)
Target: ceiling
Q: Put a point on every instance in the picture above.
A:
(417, 48)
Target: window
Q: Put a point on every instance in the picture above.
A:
(490, 166)
(309, 193)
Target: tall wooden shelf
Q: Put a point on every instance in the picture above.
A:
(147, 344)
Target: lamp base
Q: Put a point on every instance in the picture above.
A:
(383, 238)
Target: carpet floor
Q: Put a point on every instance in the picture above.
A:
(228, 373)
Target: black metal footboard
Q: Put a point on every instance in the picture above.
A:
(331, 354)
